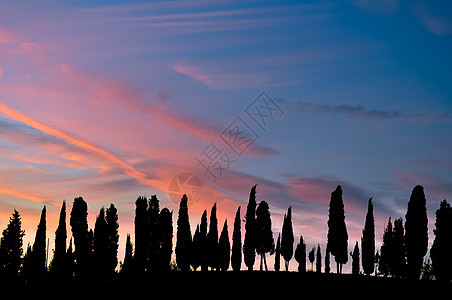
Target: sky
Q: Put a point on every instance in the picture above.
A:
(110, 100)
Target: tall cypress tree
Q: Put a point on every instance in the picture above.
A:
(183, 242)
(100, 255)
(166, 239)
(287, 238)
(355, 260)
(387, 250)
(441, 251)
(212, 239)
(111, 218)
(416, 232)
(11, 247)
(249, 244)
(318, 260)
(398, 262)
(337, 231)
(196, 249)
(300, 255)
(236, 255)
(368, 240)
(278, 253)
(202, 242)
(154, 235)
(38, 254)
(264, 235)
(59, 255)
(127, 267)
(141, 234)
(224, 248)
(82, 241)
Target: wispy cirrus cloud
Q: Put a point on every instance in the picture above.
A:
(359, 112)
(439, 24)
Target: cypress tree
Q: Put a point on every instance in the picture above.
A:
(212, 239)
(59, 255)
(442, 245)
(327, 262)
(82, 241)
(398, 262)
(387, 250)
(100, 253)
(11, 247)
(311, 257)
(236, 255)
(127, 267)
(278, 253)
(111, 218)
(202, 242)
(318, 260)
(154, 235)
(249, 244)
(224, 248)
(166, 239)
(141, 234)
(287, 238)
(416, 232)
(300, 255)
(337, 230)
(355, 260)
(196, 249)
(38, 254)
(183, 242)
(368, 240)
(264, 234)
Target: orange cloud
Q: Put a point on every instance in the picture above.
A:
(25, 195)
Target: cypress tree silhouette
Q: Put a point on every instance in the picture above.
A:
(127, 267)
(337, 243)
(212, 250)
(300, 255)
(38, 253)
(355, 260)
(442, 245)
(70, 261)
(368, 240)
(264, 234)
(249, 244)
(387, 250)
(153, 245)
(318, 260)
(82, 239)
(111, 218)
(202, 242)
(311, 257)
(100, 253)
(236, 253)
(416, 232)
(183, 242)
(287, 238)
(141, 235)
(196, 249)
(327, 262)
(59, 268)
(278, 253)
(11, 247)
(224, 248)
(166, 239)
(398, 262)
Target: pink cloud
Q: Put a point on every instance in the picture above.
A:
(439, 25)
(6, 36)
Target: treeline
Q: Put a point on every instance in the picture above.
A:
(93, 254)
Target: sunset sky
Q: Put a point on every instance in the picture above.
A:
(110, 100)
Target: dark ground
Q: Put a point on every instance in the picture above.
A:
(264, 285)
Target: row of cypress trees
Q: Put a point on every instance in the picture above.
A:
(95, 251)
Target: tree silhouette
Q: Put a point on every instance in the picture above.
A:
(127, 267)
(11, 247)
(318, 260)
(212, 240)
(183, 242)
(153, 245)
(300, 255)
(355, 259)
(386, 251)
(441, 252)
(100, 254)
(59, 268)
(416, 232)
(82, 239)
(112, 232)
(202, 242)
(224, 248)
(278, 253)
(368, 240)
(196, 249)
(249, 244)
(264, 234)
(165, 240)
(287, 238)
(327, 262)
(398, 262)
(311, 257)
(37, 264)
(236, 253)
(337, 243)
(141, 234)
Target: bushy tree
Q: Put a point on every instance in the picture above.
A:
(300, 255)
(287, 238)
(11, 247)
(416, 232)
(184, 240)
(236, 254)
(337, 230)
(249, 244)
(264, 235)
(368, 240)
(82, 237)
